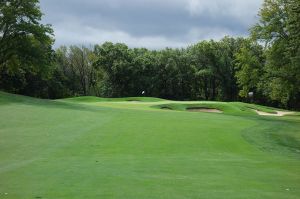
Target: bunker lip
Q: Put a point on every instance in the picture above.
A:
(203, 109)
(133, 100)
(278, 113)
(166, 108)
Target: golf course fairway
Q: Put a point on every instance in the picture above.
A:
(136, 148)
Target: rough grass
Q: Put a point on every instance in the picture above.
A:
(98, 148)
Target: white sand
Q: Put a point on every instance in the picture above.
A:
(278, 113)
(206, 110)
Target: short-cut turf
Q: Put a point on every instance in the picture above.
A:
(131, 148)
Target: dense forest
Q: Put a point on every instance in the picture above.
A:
(266, 63)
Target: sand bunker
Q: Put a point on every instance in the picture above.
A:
(166, 108)
(278, 113)
(206, 110)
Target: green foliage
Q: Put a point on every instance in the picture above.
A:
(249, 68)
(74, 72)
(279, 29)
(214, 67)
(116, 63)
(202, 71)
(25, 47)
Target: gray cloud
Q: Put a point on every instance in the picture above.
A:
(148, 23)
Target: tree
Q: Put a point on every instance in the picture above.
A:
(249, 62)
(22, 35)
(75, 70)
(25, 47)
(116, 63)
(81, 61)
(226, 51)
(203, 62)
(213, 65)
(278, 30)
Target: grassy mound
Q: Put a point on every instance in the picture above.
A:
(235, 108)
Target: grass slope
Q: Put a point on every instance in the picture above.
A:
(100, 99)
(114, 148)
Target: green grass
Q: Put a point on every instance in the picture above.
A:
(99, 99)
(90, 147)
(233, 108)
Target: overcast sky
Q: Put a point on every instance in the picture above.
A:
(148, 23)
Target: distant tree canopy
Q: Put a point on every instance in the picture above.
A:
(267, 63)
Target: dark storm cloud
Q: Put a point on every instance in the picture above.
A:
(148, 23)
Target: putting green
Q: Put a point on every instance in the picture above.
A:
(132, 148)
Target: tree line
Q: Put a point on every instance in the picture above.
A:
(267, 63)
